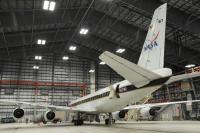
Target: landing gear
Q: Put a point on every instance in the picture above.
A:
(44, 122)
(109, 121)
(79, 120)
(106, 121)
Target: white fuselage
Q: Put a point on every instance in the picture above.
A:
(108, 104)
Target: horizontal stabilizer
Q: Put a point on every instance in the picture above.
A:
(158, 104)
(135, 74)
(182, 77)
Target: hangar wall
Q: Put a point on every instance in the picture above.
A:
(55, 82)
(183, 90)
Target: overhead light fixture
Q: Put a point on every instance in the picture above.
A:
(65, 58)
(120, 50)
(72, 48)
(41, 42)
(102, 63)
(190, 66)
(49, 5)
(83, 31)
(38, 57)
(36, 67)
(52, 6)
(91, 71)
(46, 5)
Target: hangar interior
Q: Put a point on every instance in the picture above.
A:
(50, 55)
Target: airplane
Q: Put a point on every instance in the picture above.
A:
(141, 79)
(146, 111)
(57, 116)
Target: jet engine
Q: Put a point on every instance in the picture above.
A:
(147, 112)
(45, 117)
(49, 115)
(18, 113)
(119, 115)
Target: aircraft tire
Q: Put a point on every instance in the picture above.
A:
(44, 122)
(78, 122)
(106, 121)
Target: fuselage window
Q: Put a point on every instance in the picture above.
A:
(91, 98)
(131, 87)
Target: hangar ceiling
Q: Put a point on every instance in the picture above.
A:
(112, 24)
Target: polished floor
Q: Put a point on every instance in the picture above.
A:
(120, 127)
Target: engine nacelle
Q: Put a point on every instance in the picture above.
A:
(49, 115)
(119, 115)
(18, 113)
(45, 117)
(147, 112)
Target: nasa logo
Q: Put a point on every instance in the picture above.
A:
(151, 45)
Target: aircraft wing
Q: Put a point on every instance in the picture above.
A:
(182, 77)
(158, 104)
(52, 107)
(135, 74)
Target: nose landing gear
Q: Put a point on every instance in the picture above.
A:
(110, 120)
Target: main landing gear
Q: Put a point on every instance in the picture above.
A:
(78, 121)
(110, 120)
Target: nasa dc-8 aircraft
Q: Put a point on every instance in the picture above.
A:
(141, 79)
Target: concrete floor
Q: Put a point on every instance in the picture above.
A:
(120, 127)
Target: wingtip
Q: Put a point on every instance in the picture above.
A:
(104, 53)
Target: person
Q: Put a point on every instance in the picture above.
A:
(26, 120)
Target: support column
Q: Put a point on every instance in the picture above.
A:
(52, 79)
(169, 94)
(192, 87)
(92, 79)
(36, 94)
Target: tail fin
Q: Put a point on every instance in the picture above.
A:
(152, 56)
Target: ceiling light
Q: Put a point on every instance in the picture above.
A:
(52, 6)
(41, 42)
(65, 58)
(83, 31)
(49, 5)
(46, 5)
(190, 65)
(120, 50)
(36, 67)
(91, 70)
(72, 48)
(38, 57)
(102, 63)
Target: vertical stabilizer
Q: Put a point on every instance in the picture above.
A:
(152, 55)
